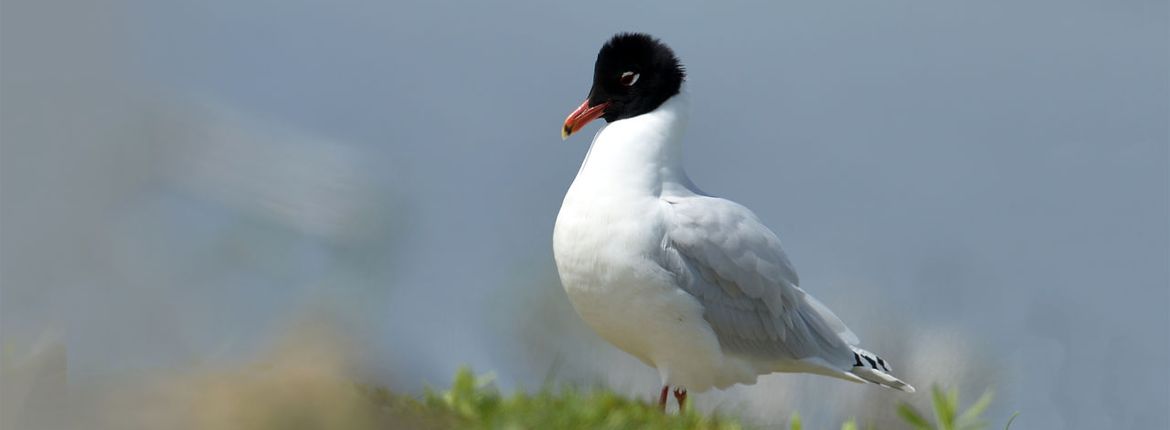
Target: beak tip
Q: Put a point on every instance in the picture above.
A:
(583, 115)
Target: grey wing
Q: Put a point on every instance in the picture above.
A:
(734, 265)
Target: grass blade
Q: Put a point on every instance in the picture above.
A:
(1010, 420)
(944, 407)
(970, 417)
(913, 417)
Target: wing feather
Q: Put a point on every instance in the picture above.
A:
(728, 260)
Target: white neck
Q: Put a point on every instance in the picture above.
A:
(639, 155)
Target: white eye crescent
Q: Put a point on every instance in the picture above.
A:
(629, 78)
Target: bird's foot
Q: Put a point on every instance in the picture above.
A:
(662, 398)
(680, 395)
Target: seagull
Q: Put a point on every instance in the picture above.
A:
(692, 285)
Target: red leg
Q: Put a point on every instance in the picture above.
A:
(680, 395)
(662, 398)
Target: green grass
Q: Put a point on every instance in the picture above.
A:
(474, 403)
(946, 412)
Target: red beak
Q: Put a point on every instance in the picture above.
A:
(583, 115)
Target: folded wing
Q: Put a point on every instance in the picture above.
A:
(727, 259)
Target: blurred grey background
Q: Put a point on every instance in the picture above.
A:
(979, 188)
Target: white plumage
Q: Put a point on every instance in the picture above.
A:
(692, 285)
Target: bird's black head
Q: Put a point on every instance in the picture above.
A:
(634, 74)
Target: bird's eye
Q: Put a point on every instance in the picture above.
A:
(629, 78)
